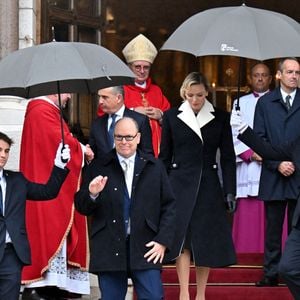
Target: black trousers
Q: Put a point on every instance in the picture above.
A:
(10, 274)
(275, 213)
(289, 266)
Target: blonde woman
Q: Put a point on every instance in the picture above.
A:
(191, 136)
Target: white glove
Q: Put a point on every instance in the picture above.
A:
(63, 155)
(237, 122)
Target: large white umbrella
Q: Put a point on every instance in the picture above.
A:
(237, 31)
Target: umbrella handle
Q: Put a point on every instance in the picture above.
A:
(237, 106)
(64, 160)
(61, 115)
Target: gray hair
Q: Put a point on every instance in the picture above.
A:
(283, 60)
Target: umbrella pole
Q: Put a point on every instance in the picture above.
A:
(237, 107)
(61, 115)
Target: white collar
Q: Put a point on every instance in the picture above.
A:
(204, 116)
(131, 158)
(120, 112)
(142, 85)
(45, 98)
(284, 94)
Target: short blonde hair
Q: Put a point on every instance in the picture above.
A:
(191, 79)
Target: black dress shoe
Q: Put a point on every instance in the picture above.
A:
(31, 294)
(267, 281)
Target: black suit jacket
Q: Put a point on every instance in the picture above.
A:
(18, 189)
(289, 151)
(99, 140)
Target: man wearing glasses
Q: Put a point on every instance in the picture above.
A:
(145, 97)
(111, 102)
(129, 197)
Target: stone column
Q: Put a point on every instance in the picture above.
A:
(27, 21)
(9, 26)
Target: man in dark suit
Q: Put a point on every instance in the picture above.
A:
(14, 189)
(289, 266)
(276, 119)
(129, 197)
(111, 102)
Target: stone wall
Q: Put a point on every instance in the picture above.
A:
(12, 111)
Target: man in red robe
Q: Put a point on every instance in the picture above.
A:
(57, 233)
(145, 97)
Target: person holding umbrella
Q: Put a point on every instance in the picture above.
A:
(14, 188)
(144, 96)
(191, 136)
(288, 267)
(250, 209)
(57, 233)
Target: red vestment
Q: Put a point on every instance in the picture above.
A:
(50, 223)
(151, 95)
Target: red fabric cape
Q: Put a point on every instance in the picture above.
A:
(49, 223)
(151, 95)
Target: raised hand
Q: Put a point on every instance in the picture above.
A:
(97, 185)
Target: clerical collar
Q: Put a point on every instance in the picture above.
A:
(258, 95)
(142, 85)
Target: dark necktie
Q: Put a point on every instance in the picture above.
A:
(111, 130)
(1, 200)
(256, 95)
(288, 102)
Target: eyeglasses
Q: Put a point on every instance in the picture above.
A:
(139, 68)
(128, 138)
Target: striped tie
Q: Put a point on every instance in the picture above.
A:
(287, 102)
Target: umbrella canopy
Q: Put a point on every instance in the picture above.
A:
(238, 31)
(70, 66)
(61, 67)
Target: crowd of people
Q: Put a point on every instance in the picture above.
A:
(156, 185)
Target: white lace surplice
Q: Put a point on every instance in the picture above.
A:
(70, 279)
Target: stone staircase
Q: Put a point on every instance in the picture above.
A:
(231, 283)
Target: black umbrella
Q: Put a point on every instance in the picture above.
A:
(61, 67)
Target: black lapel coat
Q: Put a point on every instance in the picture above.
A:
(288, 152)
(99, 140)
(193, 173)
(18, 189)
(277, 125)
(152, 215)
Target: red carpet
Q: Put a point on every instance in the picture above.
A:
(232, 283)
